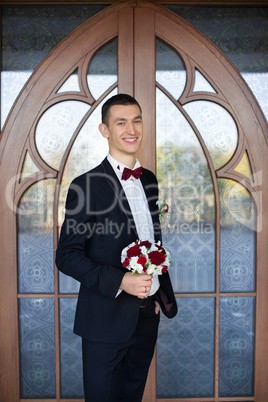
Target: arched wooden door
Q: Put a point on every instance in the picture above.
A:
(205, 138)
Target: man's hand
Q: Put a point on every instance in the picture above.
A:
(157, 307)
(137, 285)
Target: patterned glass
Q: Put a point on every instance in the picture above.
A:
(70, 352)
(217, 129)
(35, 239)
(28, 167)
(37, 348)
(240, 33)
(258, 83)
(29, 33)
(201, 84)
(88, 150)
(11, 85)
(185, 183)
(237, 248)
(170, 71)
(185, 350)
(55, 129)
(244, 167)
(71, 84)
(102, 71)
(236, 364)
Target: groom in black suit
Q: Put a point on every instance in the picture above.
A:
(117, 313)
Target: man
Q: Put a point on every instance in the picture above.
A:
(117, 312)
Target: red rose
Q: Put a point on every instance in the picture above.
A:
(126, 262)
(133, 251)
(142, 260)
(165, 209)
(156, 257)
(160, 248)
(164, 269)
(145, 243)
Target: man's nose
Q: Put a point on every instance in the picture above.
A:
(130, 128)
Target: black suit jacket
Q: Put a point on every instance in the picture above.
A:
(98, 225)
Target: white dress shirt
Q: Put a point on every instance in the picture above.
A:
(139, 207)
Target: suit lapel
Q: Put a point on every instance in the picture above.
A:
(117, 188)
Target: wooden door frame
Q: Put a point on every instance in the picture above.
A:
(9, 343)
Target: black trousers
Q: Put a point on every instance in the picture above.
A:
(117, 372)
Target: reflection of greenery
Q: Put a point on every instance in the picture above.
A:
(35, 214)
(237, 206)
(185, 183)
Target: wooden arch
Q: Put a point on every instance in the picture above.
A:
(131, 21)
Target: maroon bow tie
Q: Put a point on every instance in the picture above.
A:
(128, 172)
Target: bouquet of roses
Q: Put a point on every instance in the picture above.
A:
(146, 257)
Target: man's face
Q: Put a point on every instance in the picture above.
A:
(124, 130)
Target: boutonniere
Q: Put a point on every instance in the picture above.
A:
(163, 209)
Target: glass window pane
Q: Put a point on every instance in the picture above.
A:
(240, 33)
(28, 167)
(102, 71)
(71, 84)
(185, 350)
(37, 348)
(70, 352)
(217, 129)
(258, 83)
(236, 364)
(201, 84)
(55, 129)
(244, 167)
(237, 247)
(29, 33)
(186, 185)
(88, 150)
(170, 71)
(35, 239)
(11, 85)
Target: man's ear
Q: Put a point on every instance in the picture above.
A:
(104, 130)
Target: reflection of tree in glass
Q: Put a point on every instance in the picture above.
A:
(237, 206)
(185, 183)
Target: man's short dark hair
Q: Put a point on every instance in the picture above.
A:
(120, 99)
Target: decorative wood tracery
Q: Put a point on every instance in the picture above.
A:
(136, 72)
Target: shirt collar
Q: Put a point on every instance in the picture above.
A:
(118, 166)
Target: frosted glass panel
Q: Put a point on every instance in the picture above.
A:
(237, 247)
(244, 167)
(11, 85)
(35, 239)
(28, 167)
(201, 84)
(170, 71)
(217, 129)
(37, 348)
(258, 83)
(185, 350)
(88, 150)
(102, 72)
(55, 129)
(236, 366)
(185, 183)
(71, 84)
(70, 352)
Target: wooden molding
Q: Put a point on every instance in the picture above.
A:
(219, 3)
